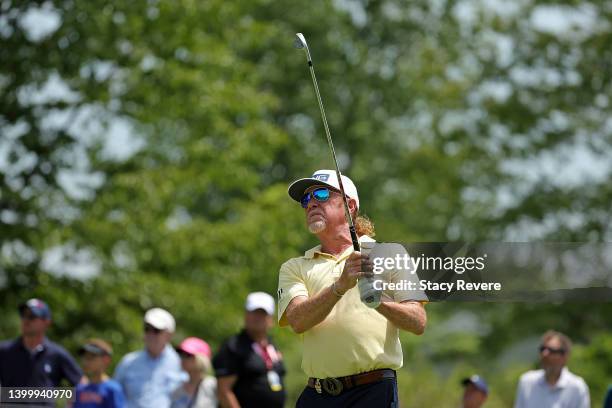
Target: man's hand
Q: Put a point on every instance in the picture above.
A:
(356, 266)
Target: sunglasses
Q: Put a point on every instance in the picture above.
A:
(151, 329)
(320, 194)
(90, 356)
(551, 350)
(28, 316)
(184, 354)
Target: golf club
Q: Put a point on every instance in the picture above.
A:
(300, 43)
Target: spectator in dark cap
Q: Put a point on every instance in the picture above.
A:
(32, 360)
(475, 392)
(100, 391)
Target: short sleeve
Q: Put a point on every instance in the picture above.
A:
(290, 284)
(520, 400)
(70, 369)
(119, 371)
(585, 398)
(226, 362)
(117, 397)
(403, 274)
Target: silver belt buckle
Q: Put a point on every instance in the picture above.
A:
(318, 386)
(332, 386)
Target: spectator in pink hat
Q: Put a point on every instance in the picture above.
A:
(200, 391)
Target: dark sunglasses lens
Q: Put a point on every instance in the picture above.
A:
(151, 329)
(552, 350)
(305, 200)
(321, 194)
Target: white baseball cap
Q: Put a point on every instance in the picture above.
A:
(260, 300)
(160, 319)
(327, 178)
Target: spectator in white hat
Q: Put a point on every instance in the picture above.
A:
(248, 367)
(148, 377)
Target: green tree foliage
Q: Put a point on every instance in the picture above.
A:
(457, 120)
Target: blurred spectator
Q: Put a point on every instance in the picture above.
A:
(249, 369)
(32, 360)
(608, 400)
(100, 391)
(553, 385)
(148, 377)
(475, 392)
(200, 391)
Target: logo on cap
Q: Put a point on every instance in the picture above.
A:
(322, 177)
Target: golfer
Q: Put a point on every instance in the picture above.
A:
(351, 351)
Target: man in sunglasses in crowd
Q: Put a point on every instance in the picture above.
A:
(32, 360)
(148, 377)
(553, 385)
(351, 351)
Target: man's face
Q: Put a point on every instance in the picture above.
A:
(32, 325)
(473, 397)
(155, 340)
(553, 357)
(258, 321)
(325, 214)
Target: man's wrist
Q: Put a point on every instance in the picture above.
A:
(381, 307)
(336, 290)
(384, 299)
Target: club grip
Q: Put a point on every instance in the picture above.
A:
(356, 246)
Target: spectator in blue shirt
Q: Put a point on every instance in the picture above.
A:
(100, 391)
(32, 360)
(148, 377)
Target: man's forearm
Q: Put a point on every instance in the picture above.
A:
(409, 316)
(228, 399)
(306, 313)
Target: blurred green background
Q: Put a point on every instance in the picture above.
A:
(146, 148)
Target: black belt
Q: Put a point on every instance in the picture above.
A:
(335, 386)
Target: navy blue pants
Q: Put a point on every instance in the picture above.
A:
(381, 394)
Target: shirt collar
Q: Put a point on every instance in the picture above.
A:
(312, 252)
(41, 347)
(243, 333)
(167, 349)
(562, 382)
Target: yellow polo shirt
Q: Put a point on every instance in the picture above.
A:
(353, 338)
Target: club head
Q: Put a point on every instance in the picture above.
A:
(300, 41)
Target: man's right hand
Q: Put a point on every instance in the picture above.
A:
(355, 267)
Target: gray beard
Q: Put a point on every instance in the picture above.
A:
(316, 227)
